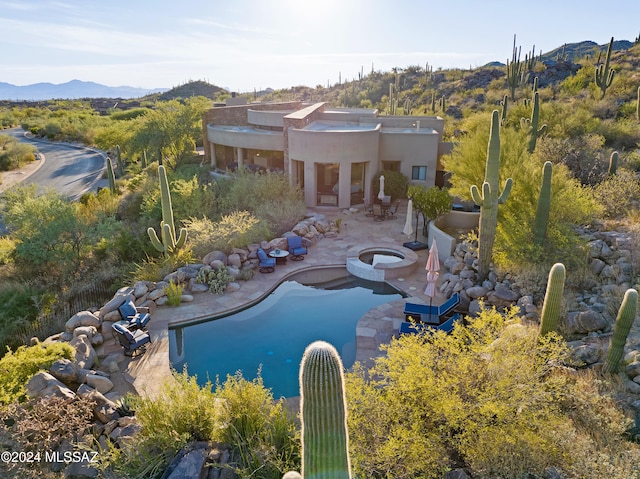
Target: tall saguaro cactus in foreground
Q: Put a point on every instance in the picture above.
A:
(169, 242)
(111, 176)
(544, 205)
(325, 440)
(613, 163)
(604, 74)
(489, 199)
(553, 299)
(624, 321)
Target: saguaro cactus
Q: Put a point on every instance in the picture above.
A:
(119, 162)
(489, 199)
(111, 176)
(544, 205)
(624, 321)
(325, 440)
(534, 131)
(505, 104)
(516, 71)
(169, 242)
(613, 163)
(552, 299)
(144, 159)
(604, 74)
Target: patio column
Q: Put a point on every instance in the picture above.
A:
(240, 152)
(212, 152)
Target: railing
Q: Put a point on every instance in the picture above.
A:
(52, 323)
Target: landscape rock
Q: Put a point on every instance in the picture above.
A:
(140, 288)
(114, 303)
(582, 322)
(88, 331)
(104, 409)
(214, 255)
(99, 383)
(45, 385)
(64, 370)
(85, 354)
(82, 318)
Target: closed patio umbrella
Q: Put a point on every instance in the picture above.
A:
(408, 225)
(433, 271)
(381, 193)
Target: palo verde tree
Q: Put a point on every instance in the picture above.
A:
(430, 202)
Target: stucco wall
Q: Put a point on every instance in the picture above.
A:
(412, 150)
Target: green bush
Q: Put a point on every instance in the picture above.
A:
(174, 293)
(16, 367)
(619, 193)
(395, 184)
(234, 230)
(491, 397)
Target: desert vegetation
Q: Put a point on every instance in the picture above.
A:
(495, 397)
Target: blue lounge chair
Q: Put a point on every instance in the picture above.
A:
(267, 265)
(416, 328)
(137, 318)
(131, 341)
(296, 249)
(430, 314)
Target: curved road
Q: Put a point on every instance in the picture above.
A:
(69, 169)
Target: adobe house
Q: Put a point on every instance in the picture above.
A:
(332, 153)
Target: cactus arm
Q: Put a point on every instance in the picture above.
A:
(552, 299)
(475, 195)
(624, 321)
(155, 242)
(604, 74)
(613, 163)
(544, 205)
(325, 439)
(508, 184)
(182, 239)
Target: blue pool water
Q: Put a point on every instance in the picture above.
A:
(272, 335)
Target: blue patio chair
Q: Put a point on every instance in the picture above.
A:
(131, 341)
(417, 328)
(296, 249)
(267, 265)
(430, 314)
(136, 317)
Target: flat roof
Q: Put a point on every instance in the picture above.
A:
(325, 126)
(244, 129)
(409, 130)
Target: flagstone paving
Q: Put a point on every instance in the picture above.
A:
(148, 371)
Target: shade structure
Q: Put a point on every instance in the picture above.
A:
(381, 193)
(408, 224)
(433, 271)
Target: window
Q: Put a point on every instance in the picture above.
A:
(418, 172)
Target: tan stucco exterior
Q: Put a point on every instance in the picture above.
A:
(334, 153)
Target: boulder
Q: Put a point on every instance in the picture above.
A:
(82, 318)
(65, 371)
(85, 354)
(582, 322)
(278, 243)
(231, 287)
(104, 409)
(213, 256)
(45, 385)
(99, 383)
(114, 303)
(112, 316)
(234, 260)
(476, 292)
(176, 277)
(155, 294)
(502, 297)
(140, 288)
(196, 287)
(88, 331)
(186, 298)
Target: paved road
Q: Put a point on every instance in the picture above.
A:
(69, 169)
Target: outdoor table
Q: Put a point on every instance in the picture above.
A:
(280, 255)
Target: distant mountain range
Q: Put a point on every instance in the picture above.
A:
(73, 89)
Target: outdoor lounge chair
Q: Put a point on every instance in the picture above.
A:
(131, 341)
(415, 328)
(136, 317)
(267, 265)
(430, 314)
(393, 210)
(296, 249)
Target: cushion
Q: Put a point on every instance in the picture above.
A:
(121, 329)
(127, 309)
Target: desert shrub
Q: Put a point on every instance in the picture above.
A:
(262, 432)
(154, 269)
(583, 155)
(16, 367)
(40, 426)
(268, 196)
(619, 193)
(234, 230)
(13, 154)
(7, 246)
(492, 397)
(174, 293)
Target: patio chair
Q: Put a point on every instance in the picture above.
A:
(296, 249)
(267, 265)
(378, 215)
(416, 328)
(368, 209)
(448, 306)
(136, 317)
(131, 341)
(393, 209)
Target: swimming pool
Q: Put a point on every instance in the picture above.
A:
(273, 334)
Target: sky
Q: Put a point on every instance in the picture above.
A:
(244, 45)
